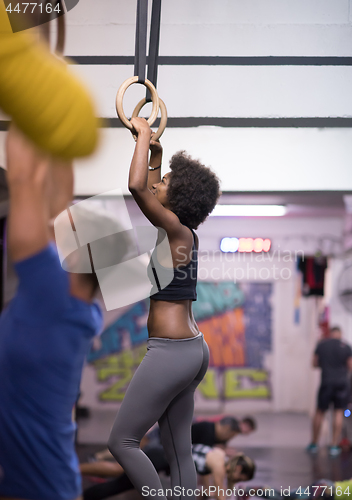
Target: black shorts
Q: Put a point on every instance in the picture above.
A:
(337, 393)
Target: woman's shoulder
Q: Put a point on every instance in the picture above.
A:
(216, 453)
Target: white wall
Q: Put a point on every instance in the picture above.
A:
(231, 91)
(217, 27)
(245, 159)
(339, 315)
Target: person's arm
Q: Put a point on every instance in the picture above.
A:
(315, 361)
(60, 187)
(27, 176)
(43, 289)
(156, 154)
(102, 469)
(221, 446)
(349, 364)
(103, 455)
(40, 188)
(215, 461)
(158, 215)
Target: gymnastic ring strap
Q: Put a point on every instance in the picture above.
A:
(61, 32)
(119, 101)
(154, 38)
(46, 18)
(163, 119)
(140, 54)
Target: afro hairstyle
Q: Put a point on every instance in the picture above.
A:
(193, 190)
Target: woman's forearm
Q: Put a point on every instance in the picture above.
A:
(154, 173)
(155, 159)
(102, 468)
(138, 178)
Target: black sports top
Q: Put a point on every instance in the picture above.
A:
(182, 280)
(199, 455)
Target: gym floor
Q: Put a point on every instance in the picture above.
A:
(277, 447)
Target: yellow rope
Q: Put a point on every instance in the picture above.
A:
(44, 99)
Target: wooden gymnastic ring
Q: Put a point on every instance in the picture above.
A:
(163, 119)
(121, 93)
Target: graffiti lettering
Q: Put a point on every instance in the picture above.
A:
(121, 367)
(209, 386)
(246, 384)
(235, 384)
(117, 391)
(133, 323)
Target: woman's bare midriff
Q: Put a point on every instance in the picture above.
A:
(171, 320)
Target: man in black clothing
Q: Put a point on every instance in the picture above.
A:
(334, 357)
(220, 432)
(212, 433)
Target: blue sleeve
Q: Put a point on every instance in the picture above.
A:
(98, 318)
(44, 289)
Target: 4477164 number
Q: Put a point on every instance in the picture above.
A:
(331, 491)
(24, 7)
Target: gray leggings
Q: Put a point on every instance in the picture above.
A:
(162, 390)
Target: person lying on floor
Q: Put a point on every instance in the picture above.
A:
(206, 459)
(203, 432)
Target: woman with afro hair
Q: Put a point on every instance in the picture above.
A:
(162, 388)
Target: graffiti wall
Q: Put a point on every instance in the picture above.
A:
(236, 323)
